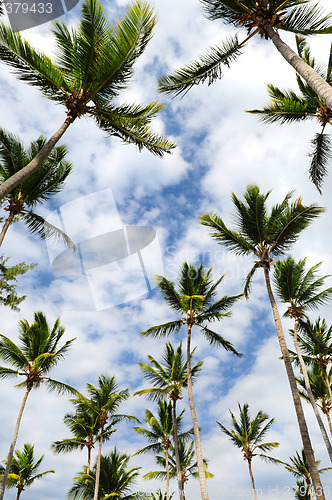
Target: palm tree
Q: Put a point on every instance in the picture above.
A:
(24, 469)
(194, 301)
(301, 491)
(116, 480)
(319, 390)
(8, 279)
(248, 434)
(264, 18)
(267, 235)
(169, 378)
(102, 404)
(287, 106)
(47, 181)
(94, 64)
(39, 351)
(302, 290)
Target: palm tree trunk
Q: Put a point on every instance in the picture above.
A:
(89, 461)
(95, 496)
(199, 455)
(252, 479)
(167, 473)
(329, 421)
(327, 382)
(316, 82)
(13, 181)
(13, 443)
(6, 226)
(309, 391)
(176, 451)
(19, 491)
(309, 453)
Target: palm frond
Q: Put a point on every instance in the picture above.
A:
(320, 156)
(216, 338)
(44, 229)
(307, 20)
(163, 330)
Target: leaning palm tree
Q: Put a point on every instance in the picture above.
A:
(264, 18)
(24, 469)
(102, 404)
(286, 106)
(116, 479)
(194, 302)
(302, 290)
(8, 282)
(94, 64)
(47, 181)
(38, 352)
(169, 378)
(247, 434)
(265, 235)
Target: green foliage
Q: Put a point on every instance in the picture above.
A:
(8, 282)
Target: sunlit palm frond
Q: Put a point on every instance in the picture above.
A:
(307, 20)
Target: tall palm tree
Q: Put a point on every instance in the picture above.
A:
(24, 469)
(302, 290)
(264, 18)
(38, 352)
(94, 64)
(103, 403)
(247, 434)
(47, 181)
(194, 302)
(286, 106)
(116, 479)
(169, 378)
(8, 280)
(265, 235)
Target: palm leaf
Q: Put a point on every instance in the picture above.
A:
(307, 20)
(216, 338)
(320, 156)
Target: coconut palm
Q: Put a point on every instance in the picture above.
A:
(169, 378)
(102, 404)
(302, 290)
(47, 181)
(264, 18)
(301, 491)
(194, 302)
(267, 234)
(116, 479)
(247, 434)
(38, 352)
(94, 64)
(24, 469)
(8, 280)
(318, 389)
(286, 106)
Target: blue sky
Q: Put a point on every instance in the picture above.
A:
(220, 149)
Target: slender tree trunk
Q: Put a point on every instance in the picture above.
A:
(329, 421)
(176, 451)
(199, 455)
(167, 473)
(16, 179)
(89, 461)
(19, 491)
(95, 496)
(13, 443)
(252, 479)
(309, 453)
(316, 82)
(327, 382)
(309, 391)
(6, 226)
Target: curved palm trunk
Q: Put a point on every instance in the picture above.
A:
(167, 473)
(329, 420)
(20, 176)
(309, 391)
(19, 491)
(95, 496)
(176, 451)
(199, 455)
(6, 226)
(327, 382)
(316, 82)
(88, 467)
(252, 479)
(13, 443)
(295, 394)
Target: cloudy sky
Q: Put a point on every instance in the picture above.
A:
(221, 149)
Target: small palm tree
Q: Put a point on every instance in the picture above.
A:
(102, 404)
(247, 434)
(39, 187)
(169, 378)
(24, 469)
(265, 234)
(94, 64)
(116, 479)
(8, 280)
(286, 107)
(39, 351)
(301, 289)
(194, 302)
